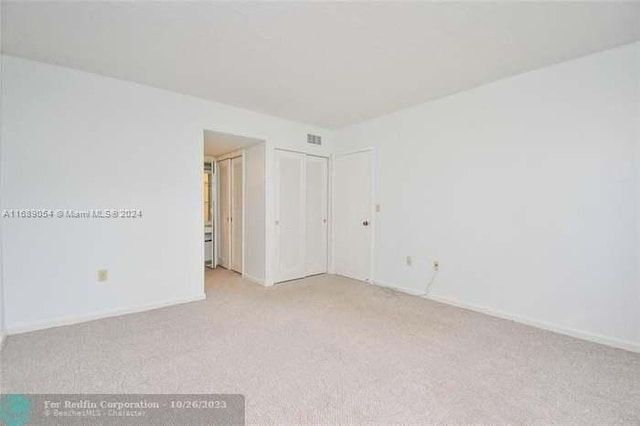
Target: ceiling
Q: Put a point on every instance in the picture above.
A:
(329, 64)
(218, 143)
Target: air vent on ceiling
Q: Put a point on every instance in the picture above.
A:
(314, 139)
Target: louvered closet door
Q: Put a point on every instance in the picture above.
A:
(290, 217)
(316, 215)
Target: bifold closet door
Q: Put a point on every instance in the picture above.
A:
(316, 215)
(236, 213)
(224, 203)
(290, 218)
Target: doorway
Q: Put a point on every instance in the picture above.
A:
(230, 162)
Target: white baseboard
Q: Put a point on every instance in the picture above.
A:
(254, 280)
(25, 328)
(579, 334)
(400, 289)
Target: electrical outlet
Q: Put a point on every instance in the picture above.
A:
(409, 261)
(103, 274)
(436, 265)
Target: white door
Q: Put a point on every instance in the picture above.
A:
(290, 217)
(236, 214)
(352, 215)
(224, 180)
(316, 221)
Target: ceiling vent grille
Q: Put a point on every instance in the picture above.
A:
(314, 139)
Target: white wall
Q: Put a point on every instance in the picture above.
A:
(524, 190)
(255, 235)
(78, 140)
(2, 324)
(637, 193)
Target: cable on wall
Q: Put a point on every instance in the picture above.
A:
(430, 283)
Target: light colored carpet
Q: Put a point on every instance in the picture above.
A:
(332, 350)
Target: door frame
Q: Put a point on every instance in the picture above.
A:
(372, 210)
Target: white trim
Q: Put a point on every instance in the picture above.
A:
(330, 242)
(118, 312)
(400, 289)
(295, 151)
(202, 221)
(567, 331)
(244, 208)
(355, 151)
(230, 155)
(255, 280)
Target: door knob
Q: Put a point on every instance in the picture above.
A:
(365, 223)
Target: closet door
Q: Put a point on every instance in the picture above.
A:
(316, 215)
(224, 202)
(290, 217)
(236, 213)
